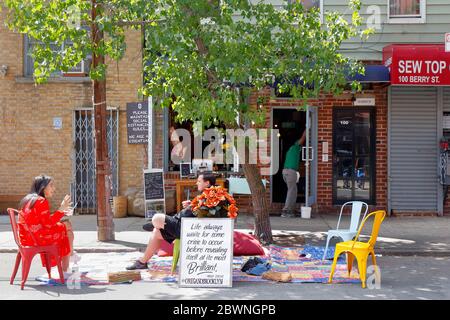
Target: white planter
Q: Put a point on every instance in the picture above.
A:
(306, 212)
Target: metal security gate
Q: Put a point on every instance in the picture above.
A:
(84, 182)
(413, 149)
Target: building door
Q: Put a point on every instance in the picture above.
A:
(353, 155)
(84, 181)
(290, 124)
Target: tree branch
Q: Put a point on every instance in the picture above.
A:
(203, 51)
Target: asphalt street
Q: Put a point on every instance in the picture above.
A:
(402, 277)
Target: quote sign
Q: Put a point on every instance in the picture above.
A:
(206, 254)
(137, 122)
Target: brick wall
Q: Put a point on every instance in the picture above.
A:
(123, 81)
(447, 205)
(325, 103)
(325, 170)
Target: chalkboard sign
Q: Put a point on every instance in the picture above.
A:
(137, 122)
(206, 255)
(154, 184)
(185, 169)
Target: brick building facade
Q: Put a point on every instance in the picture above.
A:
(31, 146)
(324, 126)
(29, 143)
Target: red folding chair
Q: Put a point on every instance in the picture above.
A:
(26, 253)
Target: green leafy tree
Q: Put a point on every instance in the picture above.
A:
(68, 32)
(203, 58)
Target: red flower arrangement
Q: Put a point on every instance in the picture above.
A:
(214, 202)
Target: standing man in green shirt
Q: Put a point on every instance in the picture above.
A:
(291, 175)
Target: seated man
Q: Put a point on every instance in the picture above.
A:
(168, 228)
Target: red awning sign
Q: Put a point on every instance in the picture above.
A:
(421, 65)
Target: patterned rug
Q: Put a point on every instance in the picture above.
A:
(304, 263)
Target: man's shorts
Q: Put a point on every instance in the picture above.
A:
(172, 228)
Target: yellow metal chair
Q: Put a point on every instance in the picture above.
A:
(176, 254)
(359, 250)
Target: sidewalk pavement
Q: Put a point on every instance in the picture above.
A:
(425, 236)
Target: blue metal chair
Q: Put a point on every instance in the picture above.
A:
(350, 233)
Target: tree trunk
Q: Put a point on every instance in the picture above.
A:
(263, 230)
(105, 224)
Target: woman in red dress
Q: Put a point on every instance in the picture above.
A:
(45, 228)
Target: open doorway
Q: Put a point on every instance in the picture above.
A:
(291, 124)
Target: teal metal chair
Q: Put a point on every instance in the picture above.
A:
(350, 233)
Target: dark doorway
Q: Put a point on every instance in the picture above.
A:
(290, 124)
(354, 155)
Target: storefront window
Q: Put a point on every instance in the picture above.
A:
(353, 155)
(181, 141)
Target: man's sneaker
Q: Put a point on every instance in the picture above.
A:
(148, 227)
(296, 214)
(137, 265)
(287, 214)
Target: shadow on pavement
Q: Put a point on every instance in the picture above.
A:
(57, 291)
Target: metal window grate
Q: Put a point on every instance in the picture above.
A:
(84, 181)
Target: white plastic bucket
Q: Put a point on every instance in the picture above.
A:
(306, 212)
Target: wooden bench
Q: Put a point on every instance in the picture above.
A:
(9, 201)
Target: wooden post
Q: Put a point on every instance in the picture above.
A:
(105, 224)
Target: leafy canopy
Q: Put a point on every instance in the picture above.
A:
(203, 57)
(56, 22)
